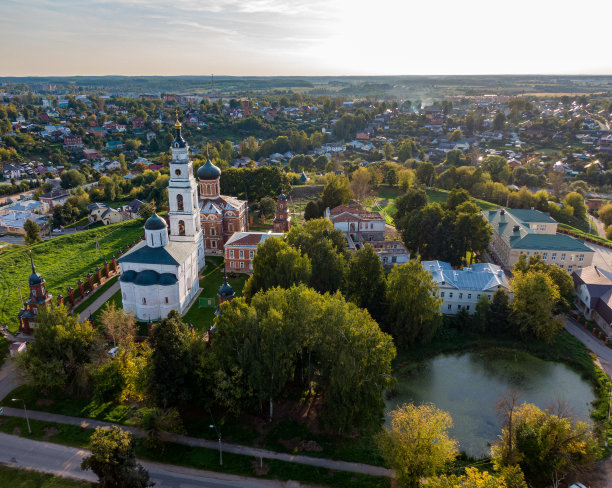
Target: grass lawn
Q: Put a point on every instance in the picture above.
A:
(4, 349)
(22, 478)
(61, 261)
(435, 195)
(211, 280)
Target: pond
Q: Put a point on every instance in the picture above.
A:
(469, 385)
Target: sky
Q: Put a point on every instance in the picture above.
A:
(307, 37)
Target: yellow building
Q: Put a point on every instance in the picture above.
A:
(531, 232)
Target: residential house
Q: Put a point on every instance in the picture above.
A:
(593, 295)
(13, 222)
(241, 247)
(391, 253)
(91, 154)
(72, 141)
(53, 198)
(12, 171)
(138, 123)
(531, 232)
(462, 288)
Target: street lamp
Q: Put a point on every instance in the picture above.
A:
(213, 426)
(25, 410)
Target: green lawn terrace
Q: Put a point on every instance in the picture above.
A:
(62, 261)
(211, 278)
(386, 196)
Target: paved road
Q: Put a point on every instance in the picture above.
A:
(9, 378)
(101, 300)
(195, 442)
(602, 257)
(65, 461)
(603, 352)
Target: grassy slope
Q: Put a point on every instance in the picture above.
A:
(62, 261)
(21, 478)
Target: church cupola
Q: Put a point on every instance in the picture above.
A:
(209, 176)
(178, 142)
(281, 218)
(39, 297)
(225, 293)
(156, 231)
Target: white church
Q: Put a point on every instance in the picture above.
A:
(160, 273)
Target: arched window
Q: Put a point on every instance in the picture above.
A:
(181, 227)
(179, 202)
(144, 301)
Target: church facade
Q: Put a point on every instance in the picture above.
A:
(39, 297)
(161, 273)
(220, 215)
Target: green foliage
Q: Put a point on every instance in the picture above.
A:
(267, 206)
(113, 460)
(277, 264)
(576, 201)
(365, 282)
(32, 230)
(22, 478)
(289, 334)
(254, 183)
(605, 214)
(426, 173)
(58, 357)
(337, 191)
(414, 199)
(146, 210)
(497, 167)
(72, 178)
(413, 305)
(417, 444)
(548, 446)
(535, 298)
(326, 248)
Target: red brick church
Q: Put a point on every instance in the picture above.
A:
(220, 215)
(39, 297)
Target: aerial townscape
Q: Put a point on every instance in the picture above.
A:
(299, 278)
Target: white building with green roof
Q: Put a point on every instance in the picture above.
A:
(531, 232)
(161, 273)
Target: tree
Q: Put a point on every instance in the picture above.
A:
(360, 184)
(325, 246)
(313, 210)
(456, 135)
(499, 121)
(548, 446)
(155, 421)
(267, 206)
(556, 179)
(417, 444)
(425, 173)
(58, 357)
(576, 201)
(113, 460)
(413, 305)
(170, 361)
(32, 230)
(414, 199)
(388, 151)
(509, 477)
(498, 315)
(535, 296)
(558, 275)
(405, 150)
(605, 214)
(277, 264)
(497, 167)
(146, 210)
(72, 178)
(118, 326)
(337, 191)
(365, 282)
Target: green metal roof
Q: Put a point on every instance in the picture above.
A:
(174, 253)
(530, 216)
(550, 242)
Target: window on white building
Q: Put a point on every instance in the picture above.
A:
(563, 257)
(442, 294)
(460, 295)
(450, 307)
(469, 296)
(553, 256)
(144, 301)
(166, 299)
(467, 307)
(545, 255)
(581, 257)
(569, 268)
(450, 295)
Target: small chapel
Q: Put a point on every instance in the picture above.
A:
(161, 273)
(39, 297)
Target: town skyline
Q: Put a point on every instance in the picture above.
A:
(277, 38)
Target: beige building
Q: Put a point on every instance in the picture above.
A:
(531, 232)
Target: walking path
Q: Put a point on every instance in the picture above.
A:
(101, 300)
(603, 352)
(9, 377)
(195, 442)
(65, 461)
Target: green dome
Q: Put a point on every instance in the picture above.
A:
(155, 222)
(208, 171)
(35, 279)
(225, 291)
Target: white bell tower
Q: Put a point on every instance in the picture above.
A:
(184, 214)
